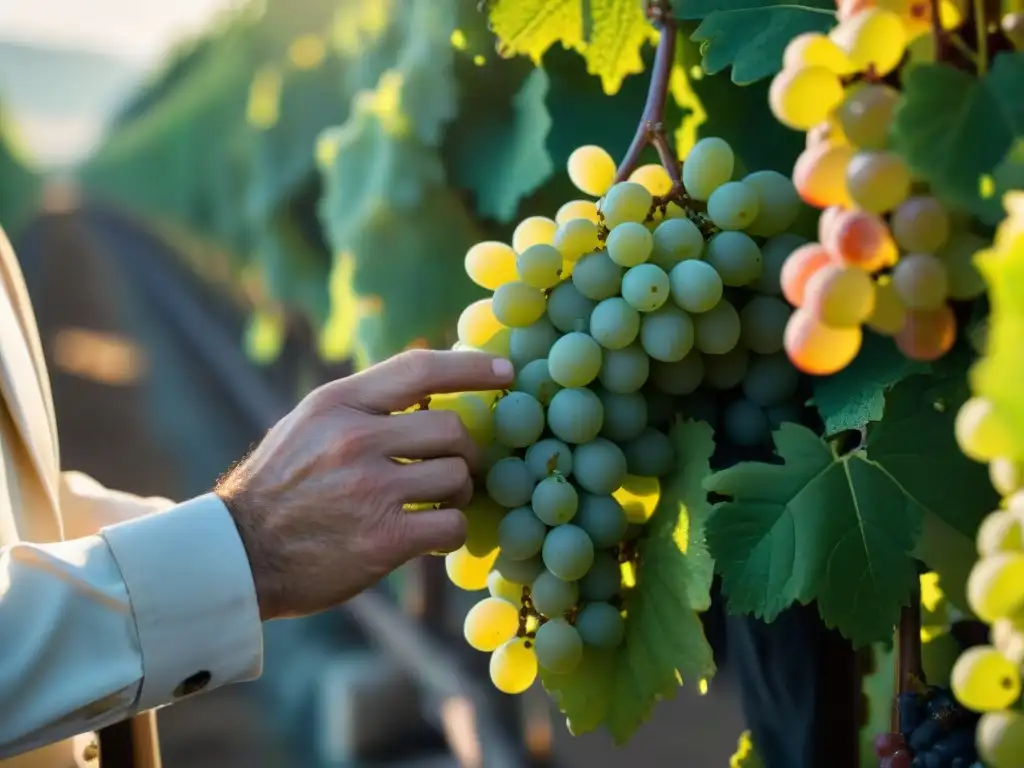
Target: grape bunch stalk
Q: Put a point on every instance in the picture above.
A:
(889, 256)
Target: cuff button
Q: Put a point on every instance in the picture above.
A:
(194, 684)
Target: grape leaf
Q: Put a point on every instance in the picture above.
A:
(616, 32)
(690, 10)
(665, 644)
(955, 129)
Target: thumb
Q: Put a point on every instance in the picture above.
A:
(431, 531)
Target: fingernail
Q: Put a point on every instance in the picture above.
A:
(502, 368)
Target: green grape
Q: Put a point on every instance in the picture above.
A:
(513, 666)
(650, 455)
(626, 201)
(984, 680)
(518, 571)
(878, 181)
(517, 305)
(866, 114)
(980, 433)
(763, 324)
(920, 225)
(625, 415)
(995, 588)
(540, 266)
(568, 309)
(745, 424)
(614, 324)
(778, 204)
(535, 230)
(679, 378)
(1000, 738)
(591, 169)
(602, 518)
(787, 413)
(674, 241)
(548, 456)
(534, 379)
(555, 499)
(708, 166)
(551, 596)
(1000, 532)
(597, 277)
(717, 330)
(696, 286)
(574, 360)
(600, 625)
(733, 205)
(774, 253)
(502, 588)
(723, 372)
(518, 420)
(735, 257)
(510, 483)
(558, 647)
(576, 238)
(920, 282)
(629, 244)
(568, 552)
(599, 466)
(521, 534)
(532, 342)
(645, 287)
(575, 415)
(667, 334)
(965, 281)
(490, 623)
(624, 370)
(770, 380)
(466, 571)
(604, 579)
(483, 519)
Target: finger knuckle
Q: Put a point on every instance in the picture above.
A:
(450, 428)
(355, 441)
(418, 364)
(459, 472)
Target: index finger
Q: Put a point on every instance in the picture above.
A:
(407, 378)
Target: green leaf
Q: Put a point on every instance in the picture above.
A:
(691, 10)
(752, 40)
(665, 644)
(955, 129)
(610, 37)
(855, 396)
(835, 529)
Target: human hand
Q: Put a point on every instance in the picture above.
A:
(319, 502)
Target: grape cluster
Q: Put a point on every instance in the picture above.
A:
(935, 732)
(614, 314)
(889, 256)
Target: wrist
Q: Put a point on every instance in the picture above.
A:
(249, 520)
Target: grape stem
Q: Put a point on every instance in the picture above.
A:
(941, 40)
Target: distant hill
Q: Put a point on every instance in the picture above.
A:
(60, 98)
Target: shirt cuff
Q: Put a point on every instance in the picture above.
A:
(193, 599)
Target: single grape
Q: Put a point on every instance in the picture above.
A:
(650, 455)
(878, 181)
(466, 571)
(624, 370)
(778, 204)
(540, 266)
(577, 209)
(745, 424)
(820, 175)
(474, 411)
(861, 240)
(984, 680)
(568, 309)
(548, 456)
(604, 579)
(674, 241)
(517, 305)
(551, 596)
(532, 342)
(534, 379)
(763, 324)
(625, 202)
(645, 287)
(866, 114)
(927, 335)
(708, 166)
(733, 206)
(817, 50)
(680, 378)
(723, 372)
(667, 334)
(534, 230)
(483, 519)
(477, 325)
(574, 360)
(995, 588)
(597, 277)
(510, 482)
(735, 257)
(518, 571)
(980, 433)
(717, 330)
(558, 647)
(502, 588)
(827, 221)
(491, 264)
(600, 625)
(770, 380)
(654, 178)
(576, 238)
(920, 281)
(614, 324)
(521, 534)
(518, 420)
(805, 262)
(575, 416)
(490, 623)
(555, 499)
(599, 466)
(1007, 476)
(1000, 531)
(840, 296)
(629, 244)
(819, 349)
(625, 415)
(513, 666)
(965, 281)
(602, 518)
(568, 552)
(774, 253)
(802, 98)
(1000, 738)
(591, 170)
(872, 38)
(695, 286)
(920, 224)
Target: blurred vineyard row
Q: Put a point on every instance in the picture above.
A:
(336, 158)
(19, 186)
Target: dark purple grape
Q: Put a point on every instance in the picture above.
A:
(926, 734)
(911, 713)
(900, 759)
(887, 743)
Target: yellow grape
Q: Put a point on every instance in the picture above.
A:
(1000, 532)
(984, 680)
(818, 349)
(1007, 475)
(540, 266)
(840, 296)
(577, 209)
(576, 238)
(915, 14)
(654, 178)
(820, 175)
(474, 411)
(800, 266)
(501, 587)
(535, 230)
(514, 666)
(1000, 738)
(920, 280)
(813, 49)
(828, 131)
(889, 314)
(1008, 636)
(491, 264)
(980, 433)
(517, 305)
(873, 38)
(625, 202)
(591, 169)
(927, 334)
(995, 588)
(468, 572)
(849, 8)
(490, 624)
(878, 181)
(477, 324)
(859, 239)
(802, 98)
